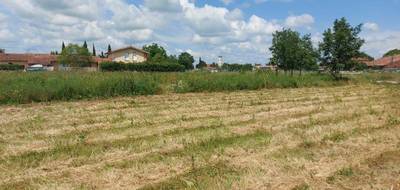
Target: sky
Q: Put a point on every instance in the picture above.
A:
(240, 31)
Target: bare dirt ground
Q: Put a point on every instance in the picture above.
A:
(310, 138)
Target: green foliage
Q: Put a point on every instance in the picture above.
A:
(109, 50)
(201, 64)
(85, 45)
(75, 56)
(392, 53)
(237, 67)
(43, 87)
(94, 51)
(292, 52)
(11, 67)
(157, 54)
(142, 67)
(340, 45)
(186, 60)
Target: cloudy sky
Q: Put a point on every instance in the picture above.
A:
(238, 30)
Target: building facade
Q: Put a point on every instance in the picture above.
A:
(48, 61)
(128, 55)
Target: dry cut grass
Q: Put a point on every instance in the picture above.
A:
(310, 138)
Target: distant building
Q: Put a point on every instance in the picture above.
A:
(388, 63)
(128, 55)
(48, 61)
(27, 59)
(220, 61)
(257, 66)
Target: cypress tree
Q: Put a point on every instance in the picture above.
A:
(85, 45)
(94, 50)
(63, 46)
(109, 48)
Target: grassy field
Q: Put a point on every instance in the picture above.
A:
(20, 88)
(342, 137)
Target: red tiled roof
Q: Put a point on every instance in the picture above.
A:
(45, 59)
(389, 62)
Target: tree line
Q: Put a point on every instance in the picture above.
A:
(340, 46)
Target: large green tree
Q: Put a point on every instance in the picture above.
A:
(75, 56)
(157, 53)
(292, 52)
(392, 53)
(186, 60)
(339, 46)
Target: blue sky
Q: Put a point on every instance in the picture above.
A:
(240, 31)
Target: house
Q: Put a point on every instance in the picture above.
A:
(128, 54)
(387, 63)
(26, 59)
(48, 61)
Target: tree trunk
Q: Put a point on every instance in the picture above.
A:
(291, 72)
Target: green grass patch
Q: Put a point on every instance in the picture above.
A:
(19, 88)
(208, 177)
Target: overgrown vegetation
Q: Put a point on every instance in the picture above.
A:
(142, 67)
(237, 67)
(11, 67)
(43, 87)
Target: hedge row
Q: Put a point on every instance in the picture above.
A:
(142, 67)
(11, 67)
(237, 67)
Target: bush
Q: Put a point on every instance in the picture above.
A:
(142, 67)
(11, 67)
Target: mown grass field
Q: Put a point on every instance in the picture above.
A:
(343, 137)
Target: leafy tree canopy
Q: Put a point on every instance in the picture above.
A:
(75, 56)
(291, 52)
(186, 60)
(392, 53)
(340, 45)
(156, 53)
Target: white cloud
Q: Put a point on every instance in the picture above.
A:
(378, 43)
(304, 20)
(371, 26)
(163, 5)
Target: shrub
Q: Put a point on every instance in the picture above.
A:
(11, 67)
(142, 67)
